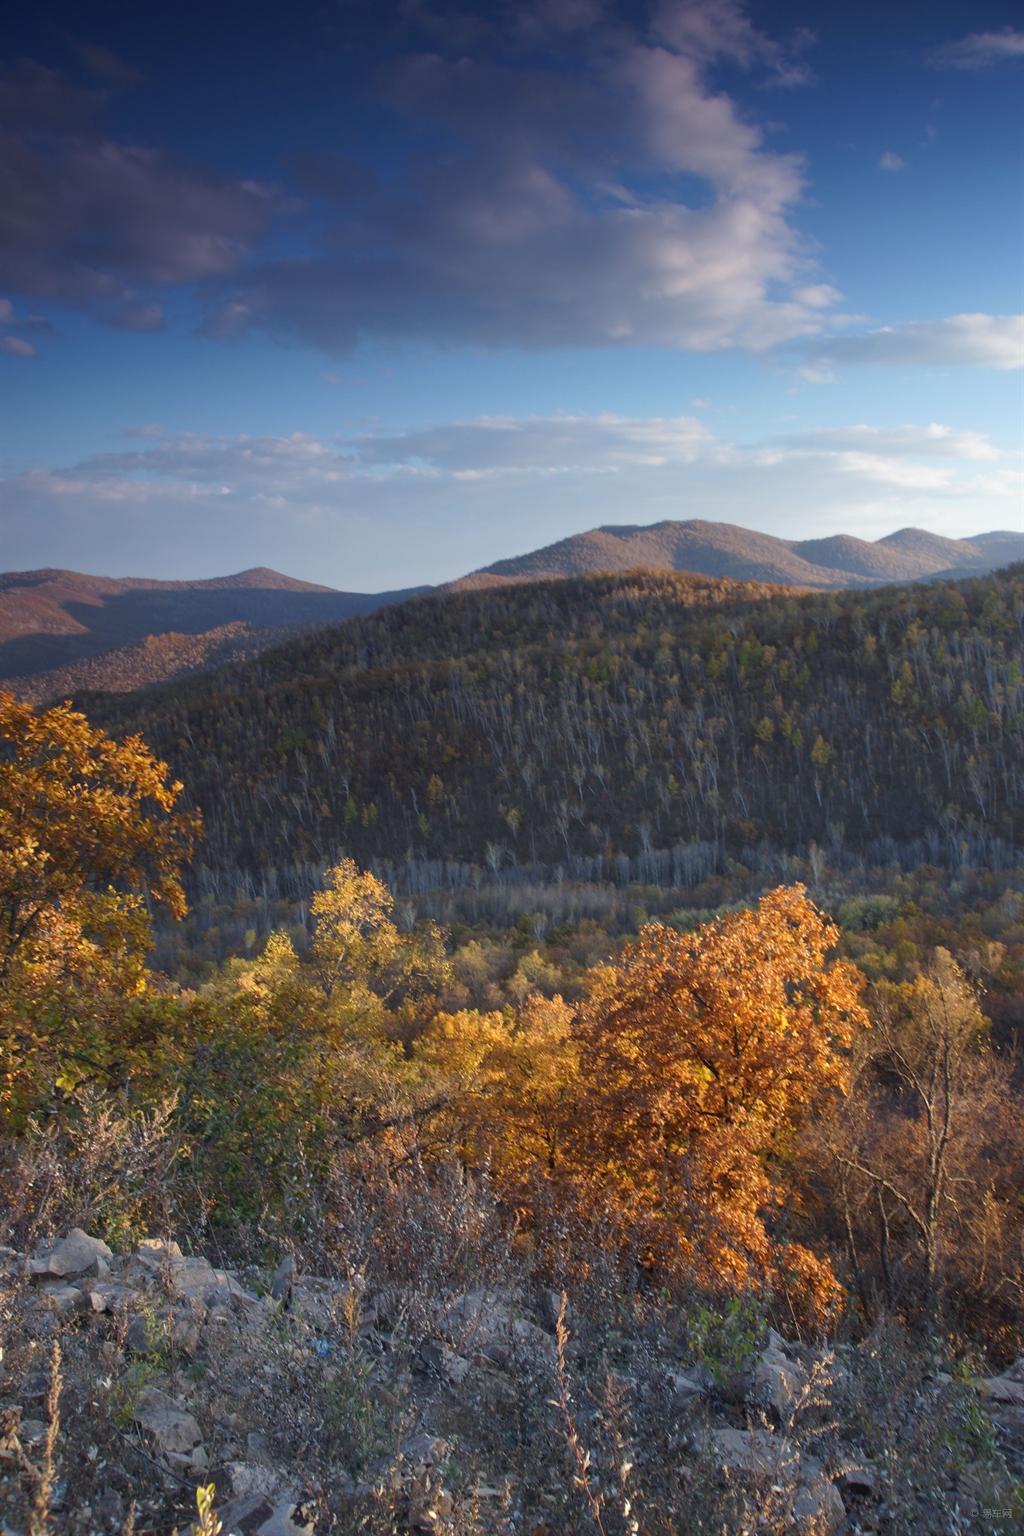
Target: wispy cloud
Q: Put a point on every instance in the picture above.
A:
(960, 341)
(891, 162)
(14, 346)
(978, 50)
(432, 504)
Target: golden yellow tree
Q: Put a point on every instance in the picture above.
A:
(90, 832)
(508, 1081)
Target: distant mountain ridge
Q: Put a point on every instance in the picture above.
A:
(55, 619)
(61, 632)
(722, 549)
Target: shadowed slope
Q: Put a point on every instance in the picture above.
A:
(53, 619)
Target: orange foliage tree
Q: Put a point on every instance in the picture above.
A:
(89, 831)
(698, 1057)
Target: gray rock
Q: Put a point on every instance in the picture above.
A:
(108, 1507)
(31, 1431)
(145, 1335)
(237, 1479)
(65, 1298)
(173, 1429)
(762, 1457)
(550, 1306)
(72, 1255)
(688, 1385)
(1002, 1389)
(244, 1516)
(258, 1448)
(480, 1318)
(1016, 1371)
(288, 1519)
(284, 1279)
(817, 1506)
(155, 1253)
(753, 1451)
(858, 1480)
(423, 1450)
(436, 1357)
(776, 1382)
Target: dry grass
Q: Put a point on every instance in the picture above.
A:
(574, 1431)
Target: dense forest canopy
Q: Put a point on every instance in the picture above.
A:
(612, 715)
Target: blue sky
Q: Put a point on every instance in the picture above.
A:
(379, 293)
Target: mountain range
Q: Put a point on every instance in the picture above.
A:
(61, 631)
(721, 549)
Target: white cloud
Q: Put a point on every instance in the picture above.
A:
(384, 511)
(560, 209)
(978, 50)
(891, 162)
(933, 441)
(961, 341)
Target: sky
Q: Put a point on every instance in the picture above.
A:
(376, 292)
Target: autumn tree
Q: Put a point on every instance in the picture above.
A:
(90, 834)
(699, 1056)
(509, 1082)
(362, 961)
(925, 1155)
(82, 817)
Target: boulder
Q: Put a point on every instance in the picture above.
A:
(144, 1335)
(691, 1384)
(423, 1450)
(1002, 1389)
(288, 1519)
(244, 1516)
(239, 1479)
(479, 1319)
(437, 1358)
(155, 1254)
(755, 1452)
(173, 1429)
(284, 1279)
(760, 1457)
(817, 1506)
(65, 1298)
(776, 1382)
(258, 1448)
(550, 1306)
(860, 1481)
(72, 1255)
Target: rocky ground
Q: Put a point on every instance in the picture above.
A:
(327, 1404)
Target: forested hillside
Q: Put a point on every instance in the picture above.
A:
(578, 720)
